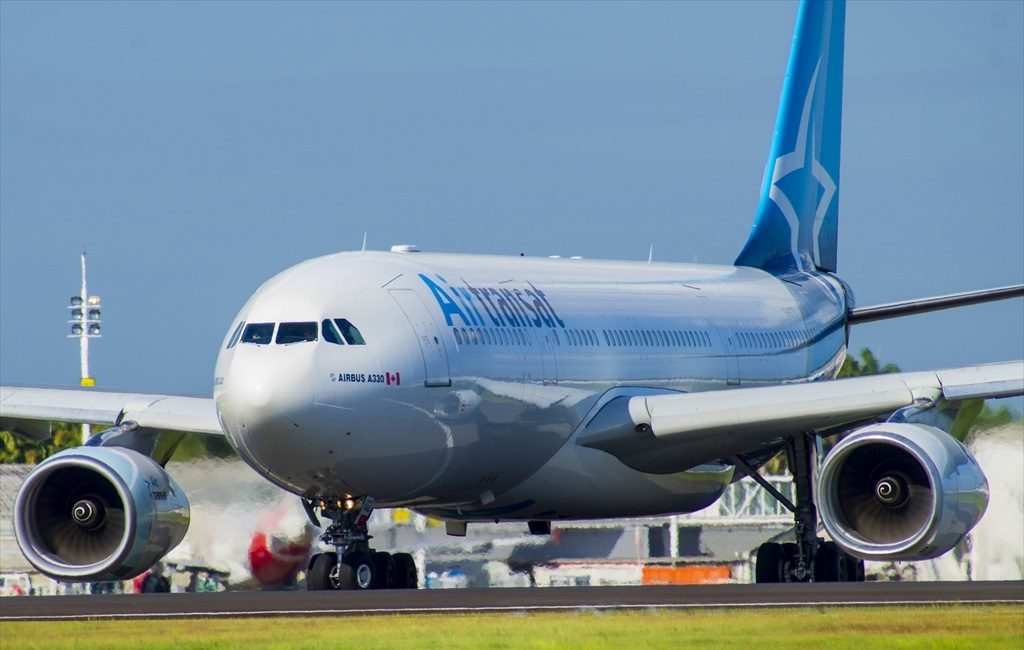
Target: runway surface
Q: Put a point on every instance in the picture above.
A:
(337, 603)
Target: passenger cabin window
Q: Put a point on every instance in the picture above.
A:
(258, 333)
(295, 333)
(350, 332)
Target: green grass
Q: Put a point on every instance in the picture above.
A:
(947, 626)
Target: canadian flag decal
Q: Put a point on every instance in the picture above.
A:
(395, 378)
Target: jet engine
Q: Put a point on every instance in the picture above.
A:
(98, 514)
(898, 491)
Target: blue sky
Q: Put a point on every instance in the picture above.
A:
(196, 149)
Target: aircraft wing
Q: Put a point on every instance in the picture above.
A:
(671, 432)
(28, 411)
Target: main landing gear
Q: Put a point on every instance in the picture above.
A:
(354, 565)
(810, 558)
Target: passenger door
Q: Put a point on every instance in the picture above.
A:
(435, 357)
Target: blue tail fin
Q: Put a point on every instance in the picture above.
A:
(798, 215)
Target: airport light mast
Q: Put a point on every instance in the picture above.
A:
(84, 318)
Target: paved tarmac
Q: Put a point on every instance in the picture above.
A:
(340, 603)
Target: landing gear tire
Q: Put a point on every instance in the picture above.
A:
(406, 575)
(356, 572)
(768, 569)
(854, 569)
(830, 564)
(790, 555)
(810, 558)
(384, 574)
(361, 567)
(322, 576)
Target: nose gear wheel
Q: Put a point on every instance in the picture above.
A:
(354, 565)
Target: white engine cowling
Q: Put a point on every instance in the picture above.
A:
(98, 514)
(897, 491)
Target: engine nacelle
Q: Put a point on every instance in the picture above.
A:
(897, 491)
(98, 513)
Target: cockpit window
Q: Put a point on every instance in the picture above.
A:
(331, 334)
(234, 336)
(295, 333)
(350, 332)
(259, 333)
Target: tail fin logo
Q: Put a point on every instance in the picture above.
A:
(797, 220)
(792, 168)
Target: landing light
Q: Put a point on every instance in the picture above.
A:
(350, 504)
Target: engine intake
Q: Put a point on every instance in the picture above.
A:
(898, 491)
(98, 513)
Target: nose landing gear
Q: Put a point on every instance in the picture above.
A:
(354, 565)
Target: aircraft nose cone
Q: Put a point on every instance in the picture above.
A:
(257, 391)
(270, 405)
(270, 390)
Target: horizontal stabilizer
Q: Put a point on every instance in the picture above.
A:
(922, 305)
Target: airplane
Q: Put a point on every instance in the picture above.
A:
(256, 544)
(477, 388)
(279, 548)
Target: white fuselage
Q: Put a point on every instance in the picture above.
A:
(476, 371)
